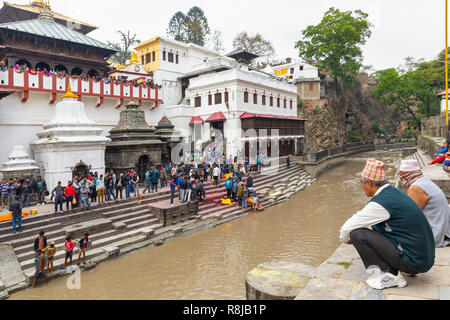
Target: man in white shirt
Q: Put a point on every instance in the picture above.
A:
(391, 233)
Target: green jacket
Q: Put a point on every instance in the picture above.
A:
(407, 228)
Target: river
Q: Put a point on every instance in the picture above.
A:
(212, 264)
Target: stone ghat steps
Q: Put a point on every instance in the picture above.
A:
(92, 253)
(41, 220)
(56, 229)
(117, 207)
(261, 190)
(116, 210)
(27, 252)
(142, 220)
(98, 242)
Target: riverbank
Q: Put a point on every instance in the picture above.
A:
(123, 231)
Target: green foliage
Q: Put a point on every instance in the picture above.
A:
(336, 42)
(356, 134)
(190, 28)
(412, 89)
(409, 133)
(300, 104)
(123, 47)
(377, 129)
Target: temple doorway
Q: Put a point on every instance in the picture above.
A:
(142, 166)
(81, 169)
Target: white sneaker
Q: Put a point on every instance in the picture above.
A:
(386, 280)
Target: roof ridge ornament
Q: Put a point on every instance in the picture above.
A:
(46, 14)
(69, 94)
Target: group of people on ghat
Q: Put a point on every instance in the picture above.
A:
(442, 157)
(61, 73)
(45, 253)
(82, 191)
(397, 232)
(188, 178)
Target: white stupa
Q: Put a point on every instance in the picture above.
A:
(70, 144)
(19, 164)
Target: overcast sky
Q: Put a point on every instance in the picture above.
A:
(401, 27)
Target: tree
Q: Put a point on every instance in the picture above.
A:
(336, 42)
(412, 90)
(254, 43)
(177, 27)
(197, 26)
(215, 41)
(192, 27)
(127, 41)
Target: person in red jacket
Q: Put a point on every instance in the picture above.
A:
(69, 193)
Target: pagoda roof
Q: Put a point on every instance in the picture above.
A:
(53, 30)
(240, 55)
(21, 12)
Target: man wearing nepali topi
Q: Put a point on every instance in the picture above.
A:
(391, 233)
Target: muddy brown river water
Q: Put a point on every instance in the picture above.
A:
(212, 264)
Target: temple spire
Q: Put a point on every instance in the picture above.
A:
(134, 58)
(69, 94)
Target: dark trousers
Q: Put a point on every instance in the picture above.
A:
(119, 191)
(377, 250)
(58, 201)
(172, 194)
(154, 187)
(69, 199)
(41, 196)
(229, 193)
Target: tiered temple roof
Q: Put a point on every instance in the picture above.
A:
(11, 12)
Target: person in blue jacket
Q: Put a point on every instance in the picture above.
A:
(229, 187)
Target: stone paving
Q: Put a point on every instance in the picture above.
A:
(342, 277)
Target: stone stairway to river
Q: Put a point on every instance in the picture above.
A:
(126, 222)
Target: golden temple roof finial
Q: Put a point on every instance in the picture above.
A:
(134, 58)
(69, 94)
(122, 66)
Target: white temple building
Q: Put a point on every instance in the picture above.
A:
(70, 143)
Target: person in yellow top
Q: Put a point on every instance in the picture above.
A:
(50, 251)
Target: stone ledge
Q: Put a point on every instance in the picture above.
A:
(277, 281)
(112, 251)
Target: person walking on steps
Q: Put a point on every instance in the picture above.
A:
(58, 194)
(16, 209)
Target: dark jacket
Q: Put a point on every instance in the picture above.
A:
(154, 176)
(28, 187)
(36, 243)
(15, 207)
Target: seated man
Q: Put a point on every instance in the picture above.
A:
(391, 233)
(430, 198)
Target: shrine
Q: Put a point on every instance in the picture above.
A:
(70, 144)
(137, 145)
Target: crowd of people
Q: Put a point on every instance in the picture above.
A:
(188, 178)
(397, 232)
(62, 73)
